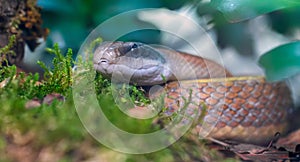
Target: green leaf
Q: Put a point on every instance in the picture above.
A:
(281, 62)
(239, 10)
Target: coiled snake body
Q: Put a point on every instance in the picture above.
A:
(239, 108)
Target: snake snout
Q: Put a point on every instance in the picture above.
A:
(102, 65)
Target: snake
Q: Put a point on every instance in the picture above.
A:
(240, 108)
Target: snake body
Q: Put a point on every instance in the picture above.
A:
(244, 108)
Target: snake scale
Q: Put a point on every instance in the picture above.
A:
(243, 108)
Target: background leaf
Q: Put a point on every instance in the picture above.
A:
(281, 62)
(239, 10)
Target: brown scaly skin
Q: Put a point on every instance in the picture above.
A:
(247, 109)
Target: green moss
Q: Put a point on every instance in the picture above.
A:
(58, 79)
(6, 50)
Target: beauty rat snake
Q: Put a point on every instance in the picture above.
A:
(243, 108)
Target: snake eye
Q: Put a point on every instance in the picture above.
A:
(134, 46)
(127, 48)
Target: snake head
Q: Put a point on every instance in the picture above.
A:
(107, 55)
(130, 62)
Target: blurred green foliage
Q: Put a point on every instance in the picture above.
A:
(71, 21)
(239, 10)
(230, 19)
(282, 62)
(285, 21)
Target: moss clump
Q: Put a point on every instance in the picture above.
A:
(58, 79)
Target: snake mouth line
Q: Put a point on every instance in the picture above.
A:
(227, 79)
